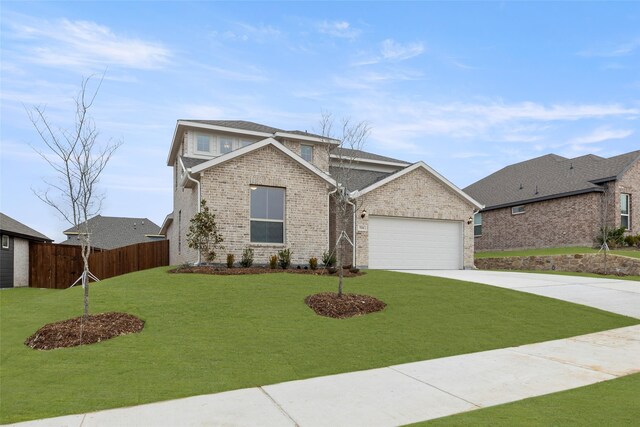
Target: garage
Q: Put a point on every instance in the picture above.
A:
(415, 243)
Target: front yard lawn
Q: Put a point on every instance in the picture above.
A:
(613, 402)
(207, 334)
(630, 252)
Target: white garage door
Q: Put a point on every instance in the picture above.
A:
(409, 243)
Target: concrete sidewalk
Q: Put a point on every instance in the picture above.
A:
(616, 296)
(395, 395)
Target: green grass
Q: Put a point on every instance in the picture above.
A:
(630, 252)
(573, 273)
(207, 334)
(615, 402)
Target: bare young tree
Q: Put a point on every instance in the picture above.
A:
(77, 161)
(352, 136)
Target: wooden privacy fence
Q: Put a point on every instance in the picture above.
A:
(58, 266)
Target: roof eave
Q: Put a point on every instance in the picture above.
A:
(363, 160)
(543, 198)
(311, 138)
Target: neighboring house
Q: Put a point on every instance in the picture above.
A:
(554, 201)
(14, 252)
(270, 189)
(110, 232)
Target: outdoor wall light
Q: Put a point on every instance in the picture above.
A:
(470, 220)
(363, 214)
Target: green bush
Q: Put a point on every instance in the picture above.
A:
(328, 259)
(230, 260)
(247, 258)
(313, 263)
(273, 262)
(284, 258)
(631, 240)
(615, 236)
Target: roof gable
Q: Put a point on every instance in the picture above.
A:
(256, 146)
(411, 168)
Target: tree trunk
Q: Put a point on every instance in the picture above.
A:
(340, 273)
(85, 279)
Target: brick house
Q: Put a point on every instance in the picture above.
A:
(552, 201)
(271, 189)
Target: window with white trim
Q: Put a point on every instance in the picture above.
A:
(225, 145)
(306, 152)
(517, 210)
(245, 142)
(5, 241)
(203, 143)
(267, 214)
(625, 205)
(477, 225)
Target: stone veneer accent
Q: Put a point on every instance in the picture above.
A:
(20, 262)
(226, 188)
(416, 194)
(582, 263)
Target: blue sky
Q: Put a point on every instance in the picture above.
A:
(467, 87)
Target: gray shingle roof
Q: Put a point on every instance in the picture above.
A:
(190, 162)
(251, 126)
(12, 227)
(356, 179)
(349, 153)
(110, 232)
(548, 177)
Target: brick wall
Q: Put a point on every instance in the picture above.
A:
(226, 188)
(630, 183)
(20, 262)
(416, 194)
(568, 221)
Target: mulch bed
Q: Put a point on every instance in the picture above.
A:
(225, 271)
(329, 304)
(79, 331)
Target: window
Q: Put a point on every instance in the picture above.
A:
(226, 145)
(5, 241)
(245, 142)
(267, 215)
(624, 211)
(179, 231)
(517, 210)
(203, 143)
(306, 152)
(477, 224)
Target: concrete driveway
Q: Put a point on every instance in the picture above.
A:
(616, 296)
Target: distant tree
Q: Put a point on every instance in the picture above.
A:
(78, 161)
(353, 137)
(203, 233)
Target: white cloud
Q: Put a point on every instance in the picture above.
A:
(623, 49)
(246, 32)
(66, 43)
(601, 134)
(341, 29)
(392, 50)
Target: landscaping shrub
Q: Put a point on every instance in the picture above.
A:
(615, 236)
(631, 240)
(273, 262)
(313, 263)
(230, 260)
(328, 259)
(247, 258)
(284, 258)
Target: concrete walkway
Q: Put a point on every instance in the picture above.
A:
(616, 296)
(411, 392)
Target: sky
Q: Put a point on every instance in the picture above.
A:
(467, 87)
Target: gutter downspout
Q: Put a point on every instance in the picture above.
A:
(197, 204)
(353, 252)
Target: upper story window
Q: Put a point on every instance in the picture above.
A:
(5, 241)
(477, 224)
(625, 208)
(225, 145)
(203, 143)
(517, 210)
(245, 142)
(306, 152)
(267, 214)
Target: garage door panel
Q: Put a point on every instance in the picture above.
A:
(410, 243)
